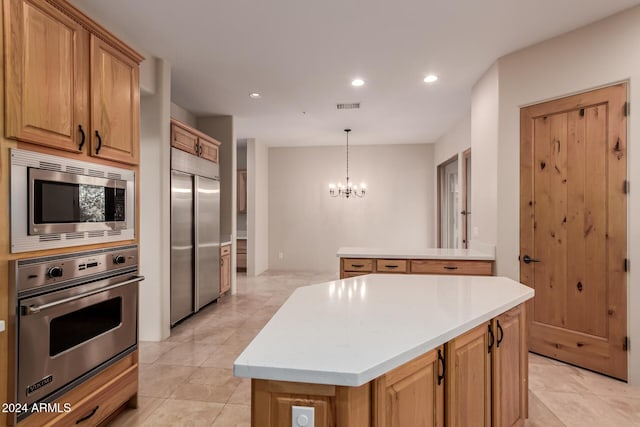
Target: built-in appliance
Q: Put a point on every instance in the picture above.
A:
(195, 234)
(59, 202)
(76, 314)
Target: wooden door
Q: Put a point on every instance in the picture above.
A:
(115, 102)
(46, 75)
(468, 379)
(510, 369)
(413, 394)
(573, 216)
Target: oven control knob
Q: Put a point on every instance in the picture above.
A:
(119, 259)
(55, 272)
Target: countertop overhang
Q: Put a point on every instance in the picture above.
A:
(348, 332)
(425, 253)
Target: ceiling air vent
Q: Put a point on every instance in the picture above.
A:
(351, 106)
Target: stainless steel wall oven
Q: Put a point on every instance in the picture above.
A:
(76, 315)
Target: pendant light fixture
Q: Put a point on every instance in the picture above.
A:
(347, 189)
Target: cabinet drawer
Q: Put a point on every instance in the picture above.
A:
(225, 250)
(391, 265)
(241, 246)
(429, 266)
(241, 261)
(357, 264)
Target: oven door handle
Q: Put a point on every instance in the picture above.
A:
(35, 309)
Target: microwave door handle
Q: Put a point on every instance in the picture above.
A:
(35, 309)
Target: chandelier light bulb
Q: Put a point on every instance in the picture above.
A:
(363, 186)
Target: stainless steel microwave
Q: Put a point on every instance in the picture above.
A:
(59, 202)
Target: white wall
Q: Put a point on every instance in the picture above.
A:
(155, 206)
(257, 207)
(308, 226)
(454, 142)
(484, 146)
(600, 54)
(182, 114)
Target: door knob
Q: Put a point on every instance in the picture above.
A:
(528, 260)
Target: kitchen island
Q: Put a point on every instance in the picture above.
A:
(394, 350)
(356, 261)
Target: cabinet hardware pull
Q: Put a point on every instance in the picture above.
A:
(528, 260)
(492, 339)
(82, 140)
(221, 262)
(86, 417)
(357, 265)
(450, 267)
(441, 360)
(390, 266)
(199, 149)
(500, 334)
(195, 147)
(99, 142)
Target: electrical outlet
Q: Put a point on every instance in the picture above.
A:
(280, 255)
(302, 416)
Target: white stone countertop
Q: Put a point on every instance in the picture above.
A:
(226, 242)
(348, 332)
(426, 253)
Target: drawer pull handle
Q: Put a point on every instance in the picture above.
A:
(390, 266)
(357, 265)
(450, 267)
(83, 137)
(91, 414)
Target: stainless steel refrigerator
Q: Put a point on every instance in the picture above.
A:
(195, 234)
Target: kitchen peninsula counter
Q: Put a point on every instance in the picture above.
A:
(356, 261)
(342, 346)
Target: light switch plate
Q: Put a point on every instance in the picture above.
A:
(1, 325)
(302, 416)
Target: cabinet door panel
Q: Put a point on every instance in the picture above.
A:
(225, 273)
(208, 150)
(468, 401)
(115, 101)
(45, 75)
(183, 140)
(410, 396)
(510, 369)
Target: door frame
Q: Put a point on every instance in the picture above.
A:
(439, 170)
(464, 224)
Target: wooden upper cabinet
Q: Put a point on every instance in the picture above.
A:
(192, 141)
(66, 78)
(115, 104)
(46, 81)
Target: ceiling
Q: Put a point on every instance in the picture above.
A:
(301, 55)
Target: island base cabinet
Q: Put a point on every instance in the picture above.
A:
(411, 395)
(510, 369)
(272, 402)
(468, 379)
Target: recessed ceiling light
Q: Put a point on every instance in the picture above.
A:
(430, 78)
(357, 82)
(255, 95)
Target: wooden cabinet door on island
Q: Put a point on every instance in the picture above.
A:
(510, 369)
(115, 104)
(411, 395)
(46, 80)
(468, 377)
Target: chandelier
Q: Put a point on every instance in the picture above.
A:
(347, 189)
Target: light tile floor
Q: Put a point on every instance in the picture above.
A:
(187, 379)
